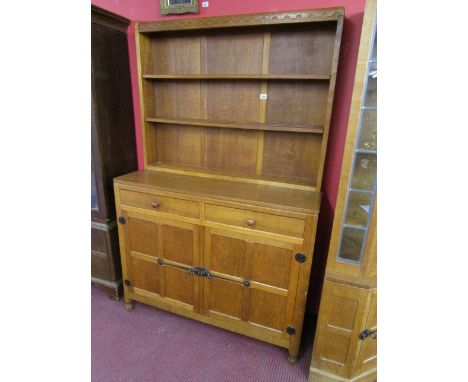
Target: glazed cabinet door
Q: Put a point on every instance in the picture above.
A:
(252, 283)
(158, 256)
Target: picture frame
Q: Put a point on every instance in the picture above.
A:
(177, 7)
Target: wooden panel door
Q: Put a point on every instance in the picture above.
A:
(253, 281)
(368, 353)
(158, 255)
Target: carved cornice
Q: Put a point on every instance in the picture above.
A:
(304, 16)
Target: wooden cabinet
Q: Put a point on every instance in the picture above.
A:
(345, 347)
(112, 140)
(220, 224)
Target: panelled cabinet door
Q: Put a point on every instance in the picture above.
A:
(368, 353)
(253, 281)
(159, 254)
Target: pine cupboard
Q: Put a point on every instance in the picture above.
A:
(220, 224)
(345, 347)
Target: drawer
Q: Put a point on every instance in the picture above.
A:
(160, 203)
(258, 221)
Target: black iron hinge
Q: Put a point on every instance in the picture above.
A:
(127, 282)
(122, 220)
(290, 330)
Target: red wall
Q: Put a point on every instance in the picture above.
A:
(144, 10)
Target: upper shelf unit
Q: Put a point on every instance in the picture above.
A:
(246, 96)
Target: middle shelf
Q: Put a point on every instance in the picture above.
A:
(295, 128)
(216, 76)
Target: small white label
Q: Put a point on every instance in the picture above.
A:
(205, 4)
(263, 96)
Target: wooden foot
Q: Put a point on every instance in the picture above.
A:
(129, 306)
(292, 360)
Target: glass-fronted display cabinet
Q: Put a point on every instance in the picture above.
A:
(345, 345)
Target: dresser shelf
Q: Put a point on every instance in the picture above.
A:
(321, 77)
(316, 129)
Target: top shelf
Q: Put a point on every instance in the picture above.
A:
(322, 77)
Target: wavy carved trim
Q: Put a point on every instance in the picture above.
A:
(317, 15)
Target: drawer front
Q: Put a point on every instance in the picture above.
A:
(160, 203)
(258, 221)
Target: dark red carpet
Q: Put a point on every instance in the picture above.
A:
(148, 345)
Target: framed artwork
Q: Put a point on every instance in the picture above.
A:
(174, 7)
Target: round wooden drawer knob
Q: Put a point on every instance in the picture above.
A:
(155, 204)
(250, 222)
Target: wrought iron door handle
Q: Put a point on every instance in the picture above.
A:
(368, 333)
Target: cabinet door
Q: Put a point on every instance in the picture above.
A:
(253, 281)
(368, 353)
(159, 253)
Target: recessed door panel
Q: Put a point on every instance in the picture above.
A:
(268, 309)
(226, 297)
(177, 244)
(143, 236)
(145, 275)
(271, 265)
(228, 255)
(178, 285)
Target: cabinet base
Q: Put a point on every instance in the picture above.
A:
(317, 375)
(113, 290)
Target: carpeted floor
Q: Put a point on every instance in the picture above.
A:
(149, 345)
